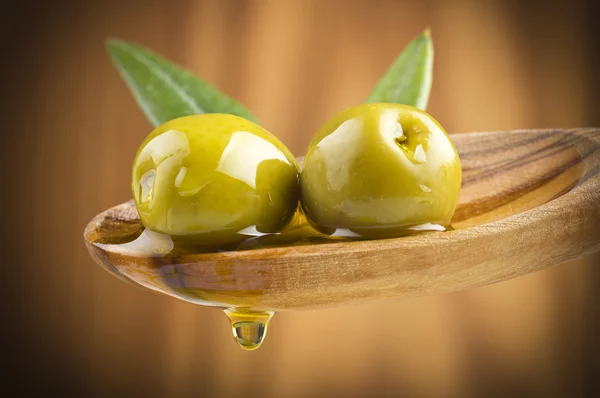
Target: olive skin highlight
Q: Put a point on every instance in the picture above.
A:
(380, 170)
(214, 179)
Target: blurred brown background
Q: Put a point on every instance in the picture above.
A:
(72, 129)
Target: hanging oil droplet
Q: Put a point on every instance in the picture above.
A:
(249, 327)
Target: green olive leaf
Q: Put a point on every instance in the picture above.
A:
(165, 91)
(408, 79)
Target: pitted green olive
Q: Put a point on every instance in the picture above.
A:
(380, 170)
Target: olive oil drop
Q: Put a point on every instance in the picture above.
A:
(249, 327)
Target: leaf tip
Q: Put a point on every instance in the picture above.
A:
(111, 42)
(427, 32)
(114, 45)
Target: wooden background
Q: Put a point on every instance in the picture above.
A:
(72, 129)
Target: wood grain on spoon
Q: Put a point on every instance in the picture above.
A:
(530, 199)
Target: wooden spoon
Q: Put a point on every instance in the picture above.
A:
(530, 199)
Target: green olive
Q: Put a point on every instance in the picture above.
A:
(214, 179)
(380, 170)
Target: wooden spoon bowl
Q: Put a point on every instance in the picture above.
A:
(530, 199)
